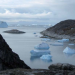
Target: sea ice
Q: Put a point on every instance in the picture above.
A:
(42, 46)
(69, 50)
(57, 44)
(46, 57)
(45, 39)
(39, 52)
(63, 40)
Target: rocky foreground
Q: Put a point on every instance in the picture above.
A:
(63, 29)
(54, 69)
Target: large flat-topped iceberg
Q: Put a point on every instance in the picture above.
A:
(69, 50)
(46, 57)
(63, 40)
(3, 24)
(45, 39)
(42, 46)
(39, 52)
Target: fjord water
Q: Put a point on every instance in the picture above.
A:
(22, 44)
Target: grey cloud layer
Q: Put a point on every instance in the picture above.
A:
(39, 11)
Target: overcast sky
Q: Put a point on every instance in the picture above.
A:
(36, 11)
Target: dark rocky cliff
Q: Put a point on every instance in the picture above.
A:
(9, 59)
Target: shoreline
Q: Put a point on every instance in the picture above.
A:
(57, 36)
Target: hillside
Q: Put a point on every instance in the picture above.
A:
(62, 28)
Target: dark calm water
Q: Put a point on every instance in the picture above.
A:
(22, 44)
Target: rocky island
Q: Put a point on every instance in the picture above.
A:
(14, 31)
(64, 29)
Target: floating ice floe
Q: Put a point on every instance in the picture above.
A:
(69, 50)
(63, 40)
(42, 46)
(34, 33)
(71, 44)
(45, 39)
(57, 44)
(39, 52)
(46, 57)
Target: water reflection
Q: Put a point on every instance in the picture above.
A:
(49, 61)
(68, 55)
(33, 58)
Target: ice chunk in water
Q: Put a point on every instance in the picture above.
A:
(71, 44)
(69, 50)
(63, 40)
(43, 46)
(45, 39)
(39, 52)
(46, 57)
(57, 44)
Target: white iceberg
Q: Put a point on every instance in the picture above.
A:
(42, 46)
(57, 44)
(39, 52)
(71, 44)
(3, 24)
(45, 39)
(69, 50)
(46, 57)
(63, 40)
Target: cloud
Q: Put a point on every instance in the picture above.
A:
(49, 11)
(23, 16)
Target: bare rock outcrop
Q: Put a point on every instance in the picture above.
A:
(9, 59)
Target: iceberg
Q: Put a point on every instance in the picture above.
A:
(42, 46)
(69, 50)
(71, 44)
(63, 40)
(34, 33)
(46, 57)
(57, 44)
(39, 52)
(3, 24)
(45, 39)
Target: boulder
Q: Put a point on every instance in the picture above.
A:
(62, 66)
(8, 58)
